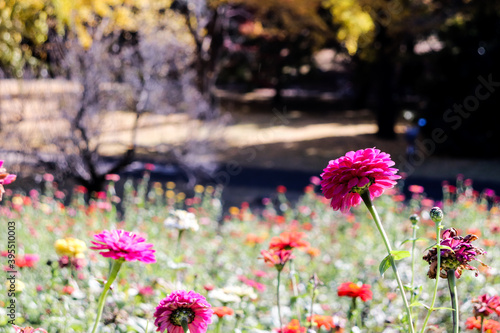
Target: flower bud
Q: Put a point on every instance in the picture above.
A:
(436, 214)
(414, 219)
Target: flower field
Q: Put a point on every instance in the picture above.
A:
(174, 258)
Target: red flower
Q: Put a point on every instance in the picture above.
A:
(351, 289)
(221, 311)
(281, 189)
(345, 178)
(68, 290)
(28, 260)
(292, 327)
(485, 305)
(288, 240)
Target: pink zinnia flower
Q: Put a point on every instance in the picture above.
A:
(27, 329)
(181, 306)
(345, 178)
(120, 244)
(277, 258)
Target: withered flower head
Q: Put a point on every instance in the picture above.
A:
(456, 256)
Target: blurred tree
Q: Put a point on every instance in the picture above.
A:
(23, 29)
(274, 37)
(135, 63)
(380, 36)
(461, 81)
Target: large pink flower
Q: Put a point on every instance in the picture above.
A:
(118, 244)
(182, 305)
(5, 177)
(346, 177)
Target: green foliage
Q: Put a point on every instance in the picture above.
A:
(24, 25)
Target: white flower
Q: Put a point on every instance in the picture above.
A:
(223, 297)
(242, 292)
(182, 220)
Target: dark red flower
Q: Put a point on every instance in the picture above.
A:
(456, 256)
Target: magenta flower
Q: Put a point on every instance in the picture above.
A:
(120, 244)
(345, 178)
(182, 306)
(5, 179)
(462, 252)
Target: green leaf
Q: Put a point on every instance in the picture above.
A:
(398, 255)
(445, 247)
(443, 308)
(417, 303)
(385, 264)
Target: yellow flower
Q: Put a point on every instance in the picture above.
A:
(70, 247)
(199, 188)
(17, 286)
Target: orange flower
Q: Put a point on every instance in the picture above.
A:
(292, 327)
(351, 289)
(490, 325)
(221, 311)
(322, 321)
(288, 241)
(253, 239)
(312, 251)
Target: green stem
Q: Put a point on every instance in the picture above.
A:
(102, 299)
(278, 299)
(294, 287)
(313, 298)
(178, 246)
(438, 272)
(482, 324)
(184, 325)
(368, 202)
(452, 284)
(412, 283)
(352, 309)
(219, 324)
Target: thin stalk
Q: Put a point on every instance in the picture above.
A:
(313, 298)
(294, 286)
(412, 283)
(434, 295)
(278, 299)
(352, 308)
(178, 245)
(219, 324)
(482, 324)
(184, 325)
(368, 202)
(102, 299)
(452, 284)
